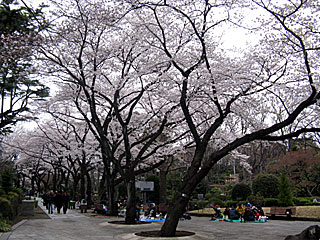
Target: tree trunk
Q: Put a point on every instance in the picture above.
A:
(112, 204)
(83, 182)
(38, 181)
(74, 188)
(89, 189)
(54, 180)
(175, 211)
(102, 187)
(163, 186)
(32, 186)
(131, 200)
(191, 179)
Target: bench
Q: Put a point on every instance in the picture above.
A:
(287, 211)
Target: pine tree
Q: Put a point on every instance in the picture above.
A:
(285, 194)
(19, 37)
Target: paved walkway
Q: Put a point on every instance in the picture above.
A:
(77, 226)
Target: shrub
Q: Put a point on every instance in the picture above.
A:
(4, 225)
(240, 191)
(285, 195)
(208, 196)
(6, 180)
(269, 202)
(6, 208)
(255, 200)
(203, 204)
(302, 201)
(266, 185)
(230, 203)
(216, 201)
(18, 191)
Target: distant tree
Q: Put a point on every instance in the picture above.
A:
(302, 169)
(285, 193)
(266, 185)
(241, 191)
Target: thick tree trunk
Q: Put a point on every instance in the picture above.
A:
(131, 201)
(192, 178)
(175, 211)
(74, 188)
(102, 187)
(163, 186)
(112, 204)
(38, 181)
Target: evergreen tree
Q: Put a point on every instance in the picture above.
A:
(285, 195)
(19, 37)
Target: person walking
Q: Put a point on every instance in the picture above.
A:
(65, 202)
(50, 202)
(58, 200)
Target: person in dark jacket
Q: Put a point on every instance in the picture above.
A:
(50, 202)
(65, 202)
(233, 214)
(249, 215)
(58, 201)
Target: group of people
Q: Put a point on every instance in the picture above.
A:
(58, 200)
(244, 214)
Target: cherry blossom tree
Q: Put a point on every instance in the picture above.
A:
(117, 88)
(235, 95)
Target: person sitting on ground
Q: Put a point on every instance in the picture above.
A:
(233, 214)
(241, 210)
(217, 212)
(226, 212)
(249, 214)
(259, 212)
(152, 211)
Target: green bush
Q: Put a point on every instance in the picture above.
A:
(266, 185)
(203, 204)
(4, 225)
(15, 200)
(255, 200)
(6, 180)
(6, 208)
(216, 201)
(230, 203)
(208, 196)
(270, 202)
(240, 191)
(18, 191)
(302, 201)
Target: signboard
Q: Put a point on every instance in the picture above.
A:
(145, 186)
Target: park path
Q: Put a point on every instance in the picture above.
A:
(77, 226)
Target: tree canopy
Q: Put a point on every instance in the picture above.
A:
(19, 37)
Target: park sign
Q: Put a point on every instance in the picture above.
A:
(145, 186)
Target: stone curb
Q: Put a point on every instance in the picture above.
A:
(6, 235)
